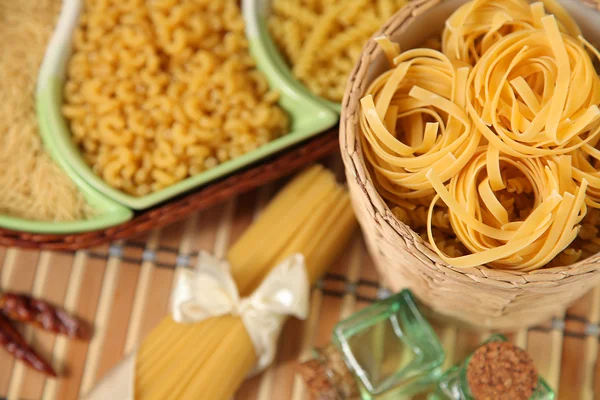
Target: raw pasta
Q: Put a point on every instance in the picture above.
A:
(322, 39)
(519, 95)
(158, 91)
(488, 148)
(31, 185)
(410, 129)
(525, 242)
(478, 25)
(209, 360)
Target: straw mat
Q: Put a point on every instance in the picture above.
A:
(124, 289)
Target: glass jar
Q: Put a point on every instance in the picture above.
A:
(386, 351)
(455, 385)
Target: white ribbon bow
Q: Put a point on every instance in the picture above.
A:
(209, 291)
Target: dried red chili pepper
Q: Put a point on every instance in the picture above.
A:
(12, 341)
(26, 309)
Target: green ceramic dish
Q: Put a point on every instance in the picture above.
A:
(267, 55)
(108, 212)
(309, 116)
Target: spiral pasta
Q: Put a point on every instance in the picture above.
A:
(488, 149)
(322, 39)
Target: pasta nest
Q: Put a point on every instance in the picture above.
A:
(489, 148)
(478, 25)
(521, 97)
(411, 128)
(513, 213)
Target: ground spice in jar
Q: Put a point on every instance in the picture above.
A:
(501, 371)
(328, 377)
(314, 374)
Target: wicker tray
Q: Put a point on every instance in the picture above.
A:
(259, 174)
(124, 289)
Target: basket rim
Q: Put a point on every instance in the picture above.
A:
(356, 169)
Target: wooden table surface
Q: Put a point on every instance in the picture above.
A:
(124, 290)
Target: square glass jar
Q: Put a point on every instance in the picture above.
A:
(453, 385)
(390, 348)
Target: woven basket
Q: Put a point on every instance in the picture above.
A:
(480, 297)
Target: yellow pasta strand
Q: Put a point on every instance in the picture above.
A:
(554, 119)
(211, 359)
(193, 346)
(249, 261)
(488, 149)
(482, 224)
(239, 253)
(322, 41)
(225, 368)
(479, 24)
(429, 128)
(149, 368)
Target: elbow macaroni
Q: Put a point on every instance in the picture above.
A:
(163, 90)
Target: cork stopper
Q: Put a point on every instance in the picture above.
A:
(501, 371)
(328, 377)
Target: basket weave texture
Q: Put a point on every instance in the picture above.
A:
(479, 297)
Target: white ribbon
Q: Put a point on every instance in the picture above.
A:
(210, 291)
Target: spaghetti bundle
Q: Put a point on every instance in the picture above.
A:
(209, 360)
(521, 85)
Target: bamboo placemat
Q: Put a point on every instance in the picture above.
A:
(124, 289)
